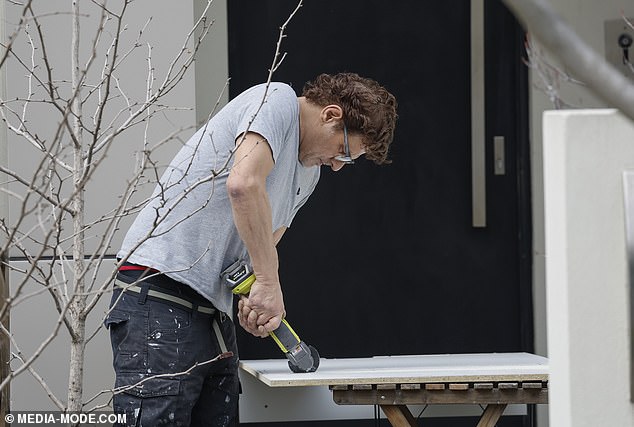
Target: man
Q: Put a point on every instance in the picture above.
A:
(229, 194)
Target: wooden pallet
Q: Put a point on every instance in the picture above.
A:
(394, 398)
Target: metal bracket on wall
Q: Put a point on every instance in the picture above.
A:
(478, 131)
(628, 198)
(499, 161)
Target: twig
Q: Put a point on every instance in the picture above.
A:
(609, 84)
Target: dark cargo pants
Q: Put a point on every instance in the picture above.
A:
(160, 356)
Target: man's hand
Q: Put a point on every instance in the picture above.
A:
(262, 311)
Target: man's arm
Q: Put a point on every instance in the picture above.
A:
(262, 311)
(277, 235)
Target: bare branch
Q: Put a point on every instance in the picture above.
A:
(610, 85)
(32, 371)
(549, 76)
(91, 108)
(149, 378)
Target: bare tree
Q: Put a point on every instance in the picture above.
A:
(95, 112)
(49, 227)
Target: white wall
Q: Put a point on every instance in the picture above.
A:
(585, 154)
(212, 66)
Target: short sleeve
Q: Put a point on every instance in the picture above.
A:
(271, 112)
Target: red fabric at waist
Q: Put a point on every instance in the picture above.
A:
(128, 267)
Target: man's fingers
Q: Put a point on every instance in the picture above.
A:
(252, 319)
(258, 324)
(243, 312)
(242, 318)
(272, 324)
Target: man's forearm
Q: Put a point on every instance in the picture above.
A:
(253, 219)
(246, 188)
(263, 310)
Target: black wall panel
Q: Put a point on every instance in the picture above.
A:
(383, 259)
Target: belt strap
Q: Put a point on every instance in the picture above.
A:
(167, 297)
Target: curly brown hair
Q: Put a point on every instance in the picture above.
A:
(368, 108)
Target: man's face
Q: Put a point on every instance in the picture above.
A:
(324, 150)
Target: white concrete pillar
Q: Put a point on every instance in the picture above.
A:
(585, 153)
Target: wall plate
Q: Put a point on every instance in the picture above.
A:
(614, 30)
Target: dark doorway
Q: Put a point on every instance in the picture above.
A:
(385, 260)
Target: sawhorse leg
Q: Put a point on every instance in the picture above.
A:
(399, 416)
(491, 415)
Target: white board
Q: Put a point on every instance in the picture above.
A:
(404, 369)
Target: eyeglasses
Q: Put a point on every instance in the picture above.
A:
(347, 158)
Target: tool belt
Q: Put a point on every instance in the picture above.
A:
(151, 284)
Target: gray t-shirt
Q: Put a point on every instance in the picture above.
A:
(187, 230)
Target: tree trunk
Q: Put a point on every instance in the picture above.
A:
(77, 300)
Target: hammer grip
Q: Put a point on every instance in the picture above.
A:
(285, 337)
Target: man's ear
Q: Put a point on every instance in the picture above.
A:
(331, 112)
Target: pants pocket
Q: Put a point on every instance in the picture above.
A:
(170, 340)
(128, 336)
(149, 401)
